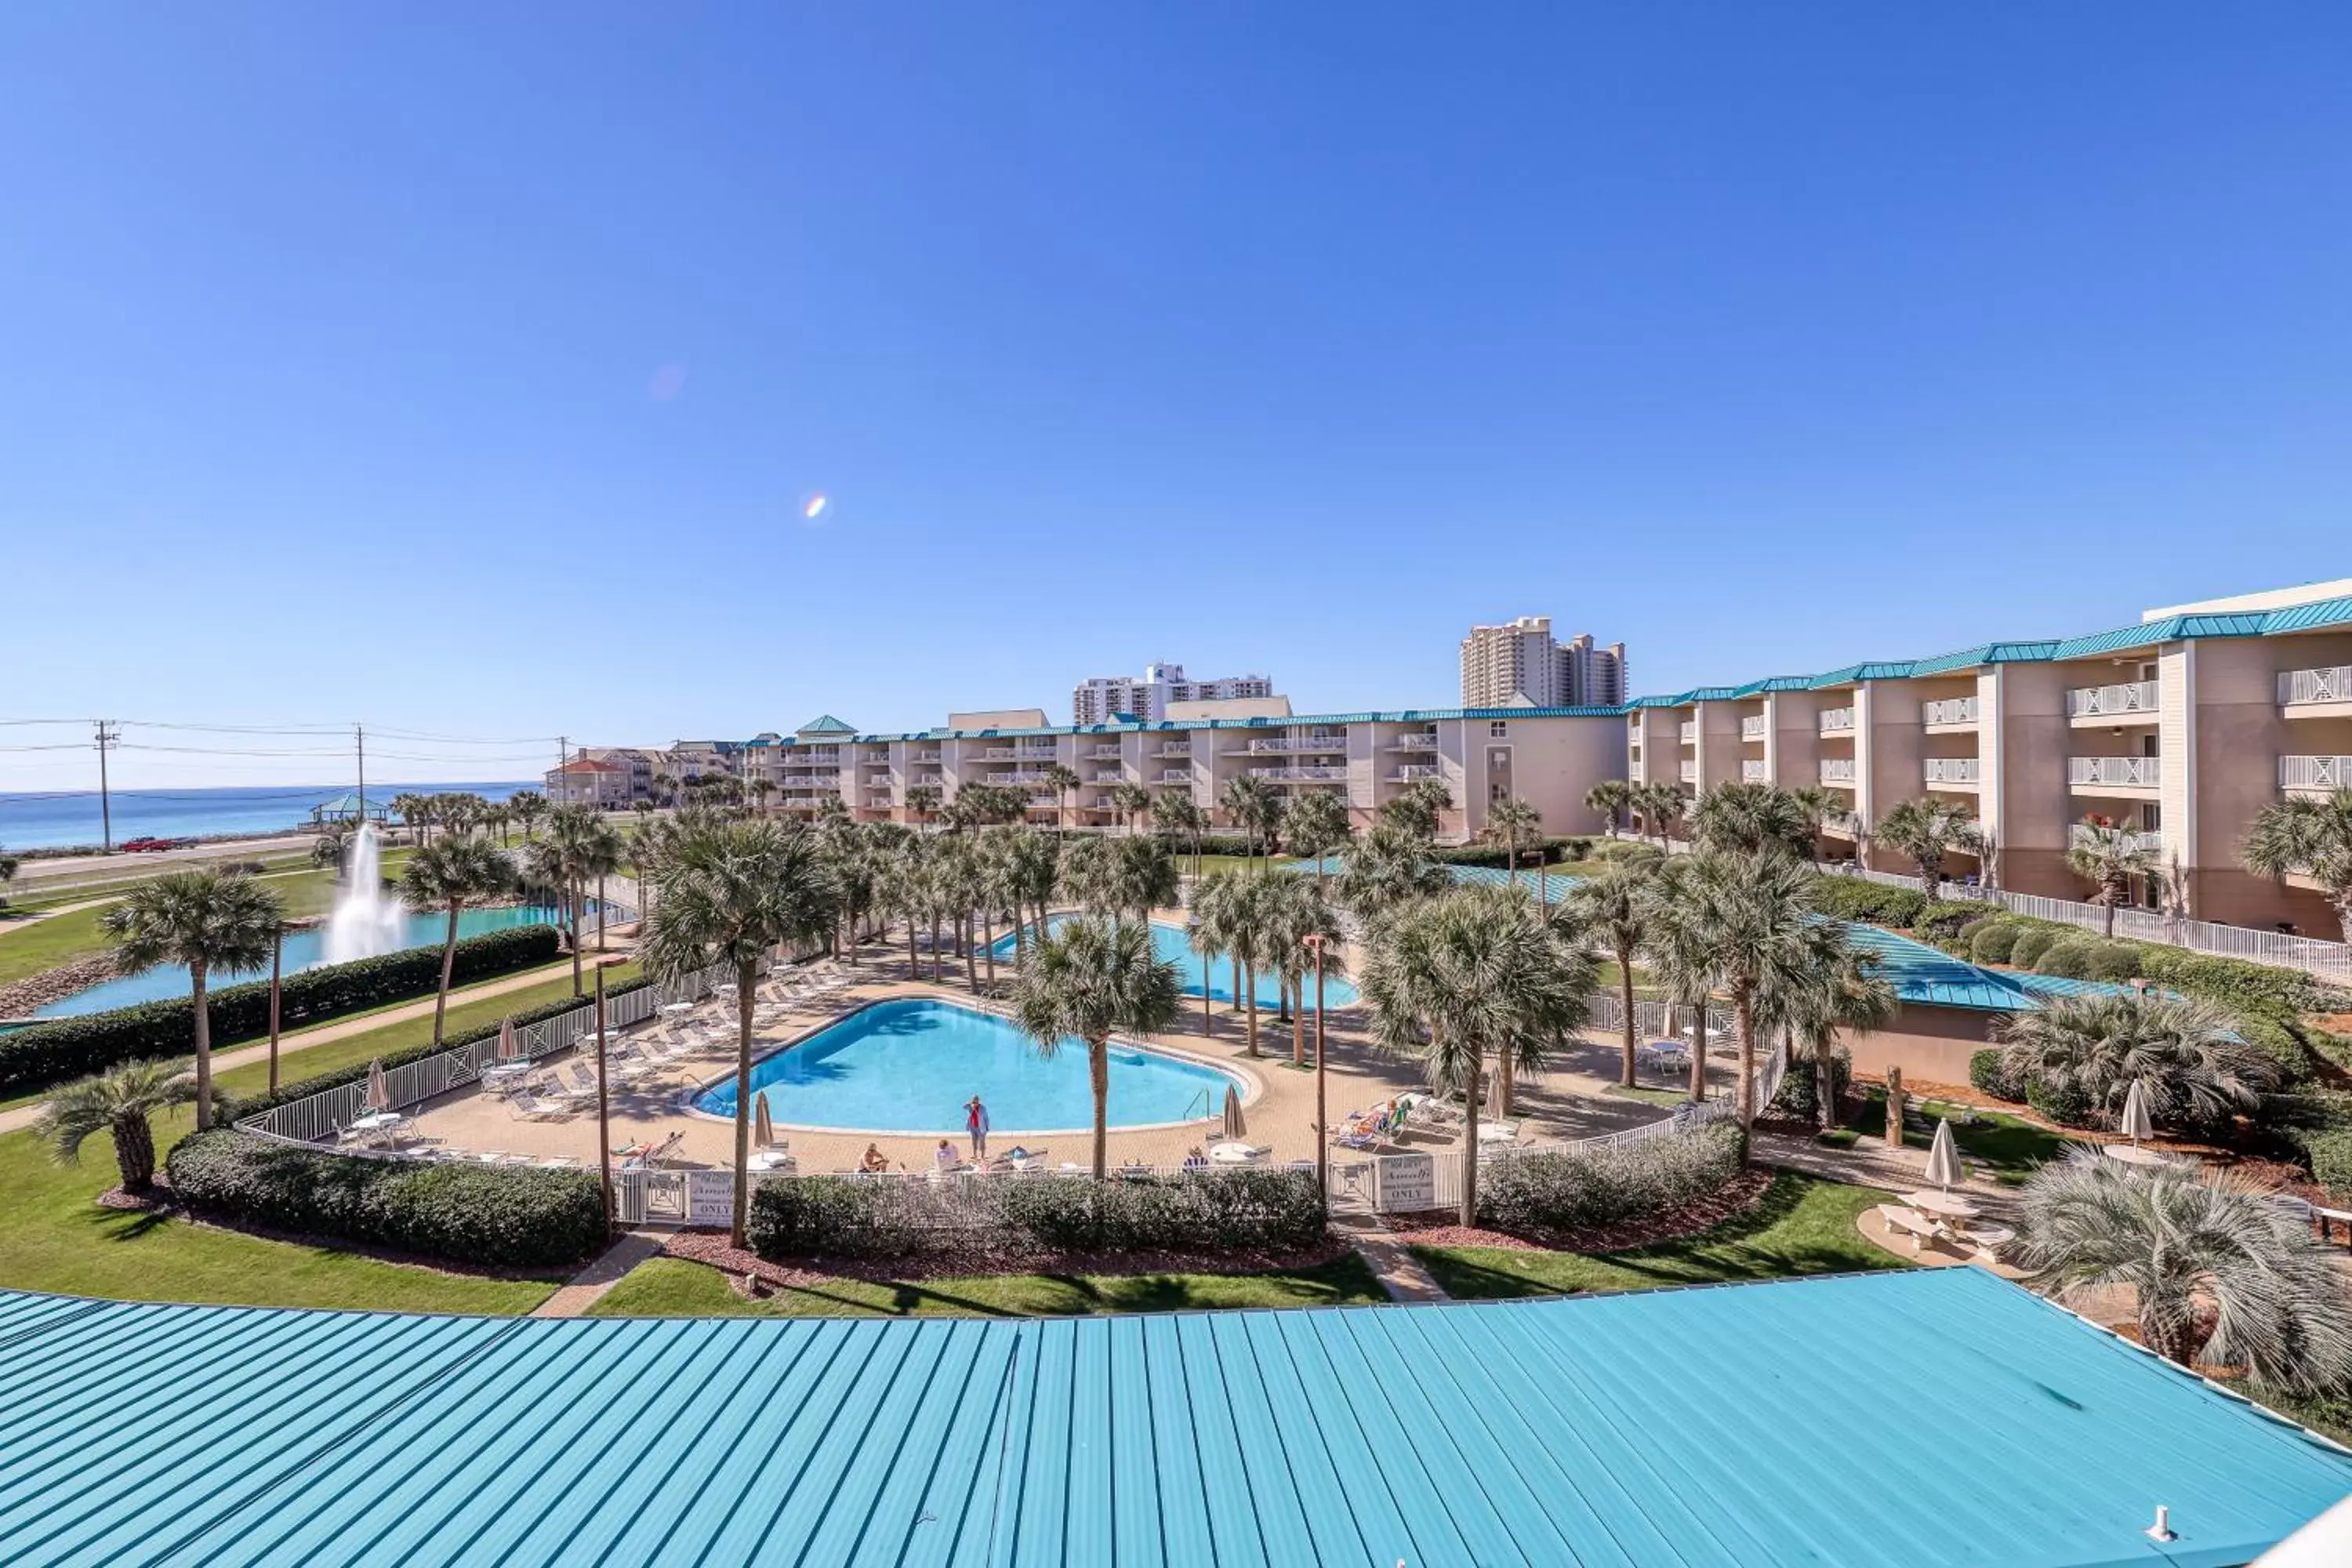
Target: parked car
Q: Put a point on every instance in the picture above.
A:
(144, 846)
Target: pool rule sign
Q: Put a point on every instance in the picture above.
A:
(1404, 1183)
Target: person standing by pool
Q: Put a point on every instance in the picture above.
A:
(975, 1120)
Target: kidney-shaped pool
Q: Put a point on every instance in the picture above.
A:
(908, 1066)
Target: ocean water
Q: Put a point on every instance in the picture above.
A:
(52, 820)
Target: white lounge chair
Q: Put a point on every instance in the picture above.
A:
(525, 1106)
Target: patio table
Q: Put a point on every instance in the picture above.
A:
(2133, 1154)
(1235, 1154)
(1943, 1205)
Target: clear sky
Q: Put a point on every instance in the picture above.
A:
(468, 369)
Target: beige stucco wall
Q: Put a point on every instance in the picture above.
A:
(1931, 1045)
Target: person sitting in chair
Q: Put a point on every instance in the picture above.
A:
(876, 1162)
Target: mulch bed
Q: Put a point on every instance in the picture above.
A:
(711, 1247)
(1734, 1197)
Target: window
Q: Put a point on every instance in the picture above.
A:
(1500, 757)
(1498, 792)
(1500, 727)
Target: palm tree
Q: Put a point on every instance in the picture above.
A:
(1250, 937)
(1313, 825)
(1474, 974)
(1387, 869)
(1661, 806)
(1209, 931)
(1921, 831)
(117, 1102)
(1089, 875)
(329, 850)
(2184, 1052)
(1145, 878)
(1179, 816)
(1853, 996)
(2108, 857)
(2301, 836)
(1745, 817)
(1132, 801)
(1418, 808)
(411, 808)
(1086, 979)
(2196, 1247)
(923, 801)
(959, 887)
(1613, 799)
(208, 920)
(761, 788)
(733, 892)
(7, 874)
(1508, 822)
(1033, 873)
(528, 805)
(1614, 904)
(666, 785)
(462, 869)
(849, 859)
(1252, 805)
(1296, 909)
(581, 846)
(1062, 779)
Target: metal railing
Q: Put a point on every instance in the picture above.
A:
(1951, 769)
(2112, 701)
(1175, 776)
(1413, 740)
(1951, 710)
(1688, 732)
(1016, 777)
(1751, 728)
(809, 781)
(1752, 770)
(2080, 834)
(2115, 772)
(1103, 755)
(1301, 743)
(1837, 770)
(2315, 773)
(1690, 773)
(1312, 774)
(1411, 771)
(2332, 683)
(1174, 752)
(1837, 722)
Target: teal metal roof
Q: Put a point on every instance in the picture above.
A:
(1991, 1428)
(1931, 976)
(826, 724)
(1128, 726)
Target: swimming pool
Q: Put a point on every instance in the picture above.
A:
(908, 1065)
(305, 949)
(1171, 944)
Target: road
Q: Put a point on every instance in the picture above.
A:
(30, 874)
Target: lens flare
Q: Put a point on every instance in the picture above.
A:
(815, 508)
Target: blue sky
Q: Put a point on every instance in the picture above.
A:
(471, 376)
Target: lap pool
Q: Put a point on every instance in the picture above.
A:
(1172, 944)
(908, 1066)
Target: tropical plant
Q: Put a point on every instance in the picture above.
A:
(1613, 902)
(1746, 817)
(1180, 816)
(1131, 802)
(1294, 912)
(1061, 779)
(1613, 799)
(1144, 878)
(2108, 857)
(2217, 1270)
(1510, 822)
(1209, 932)
(1660, 805)
(329, 848)
(2184, 1052)
(215, 922)
(923, 801)
(461, 871)
(1387, 869)
(2302, 836)
(581, 846)
(1314, 825)
(1851, 996)
(528, 805)
(1255, 807)
(1922, 831)
(8, 864)
(1474, 974)
(1249, 936)
(733, 892)
(1418, 808)
(1087, 979)
(959, 887)
(118, 1102)
(1032, 874)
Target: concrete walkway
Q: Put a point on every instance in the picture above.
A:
(1391, 1261)
(1873, 1164)
(603, 1273)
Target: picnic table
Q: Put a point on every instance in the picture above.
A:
(2133, 1154)
(1943, 1205)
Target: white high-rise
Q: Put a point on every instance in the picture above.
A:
(1519, 663)
(1147, 696)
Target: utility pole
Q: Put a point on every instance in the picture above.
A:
(563, 756)
(108, 735)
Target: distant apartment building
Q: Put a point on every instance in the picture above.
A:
(2178, 728)
(1520, 663)
(1103, 698)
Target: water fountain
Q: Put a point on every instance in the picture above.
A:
(365, 923)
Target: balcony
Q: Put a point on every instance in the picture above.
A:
(1034, 754)
(1842, 823)
(1951, 710)
(1688, 732)
(2079, 836)
(998, 755)
(2114, 773)
(2320, 775)
(1019, 777)
(1837, 771)
(1944, 771)
(816, 754)
(2134, 700)
(878, 800)
(2302, 688)
(1413, 740)
(809, 781)
(1113, 777)
(1301, 775)
(1690, 773)
(1176, 775)
(1175, 753)
(927, 757)
(1752, 727)
(928, 781)
(1412, 771)
(1837, 722)
(1753, 770)
(1301, 743)
(1104, 754)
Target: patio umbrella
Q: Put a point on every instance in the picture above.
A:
(507, 1048)
(1234, 1126)
(1943, 1157)
(763, 1131)
(2136, 1124)
(378, 1096)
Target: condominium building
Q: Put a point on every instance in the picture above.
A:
(2178, 727)
(1103, 698)
(1520, 663)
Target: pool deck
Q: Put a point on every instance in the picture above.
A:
(1571, 1101)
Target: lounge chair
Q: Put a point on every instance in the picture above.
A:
(525, 1106)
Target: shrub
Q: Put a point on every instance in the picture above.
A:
(1985, 1072)
(490, 1216)
(1588, 1190)
(1874, 903)
(2282, 995)
(2115, 960)
(1994, 942)
(2059, 1102)
(2031, 945)
(2068, 958)
(48, 1053)
(1799, 1100)
(1941, 922)
(2330, 1152)
(1554, 851)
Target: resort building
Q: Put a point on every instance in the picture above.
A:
(1518, 663)
(587, 781)
(1100, 698)
(2180, 727)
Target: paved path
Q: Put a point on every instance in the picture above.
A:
(1872, 1163)
(603, 1273)
(343, 1028)
(1392, 1262)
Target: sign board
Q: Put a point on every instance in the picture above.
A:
(1402, 1183)
(710, 1197)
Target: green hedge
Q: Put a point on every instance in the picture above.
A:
(44, 1053)
(1554, 852)
(2031, 945)
(1985, 1073)
(1590, 1189)
(1874, 903)
(489, 1217)
(1944, 920)
(1995, 943)
(1799, 1099)
(2068, 958)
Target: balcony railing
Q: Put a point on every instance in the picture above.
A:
(1016, 778)
(2332, 684)
(2111, 702)
(2315, 773)
(1184, 751)
(1843, 823)
(2151, 840)
(1951, 769)
(1419, 742)
(998, 755)
(1412, 770)
(2115, 772)
(1837, 770)
(1753, 770)
(816, 754)
(809, 781)
(1690, 773)
(1113, 777)
(1034, 754)
(1176, 775)
(1951, 710)
(1837, 720)
(930, 781)
(1687, 732)
(1301, 743)
(1752, 727)
(1104, 754)
(1310, 776)
(927, 757)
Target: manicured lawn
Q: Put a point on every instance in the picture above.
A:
(1803, 1225)
(1669, 1098)
(668, 1288)
(2007, 1147)
(54, 1237)
(1229, 862)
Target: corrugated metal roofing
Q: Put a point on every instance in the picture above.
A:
(1686, 1427)
(1927, 974)
(1390, 716)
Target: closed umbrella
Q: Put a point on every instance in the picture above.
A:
(2136, 1124)
(1943, 1157)
(762, 1129)
(1234, 1126)
(378, 1096)
(507, 1050)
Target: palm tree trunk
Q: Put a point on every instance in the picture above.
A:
(204, 1046)
(1206, 1027)
(1298, 1026)
(935, 948)
(1098, 1075)
(1505, 1078)
(600, 907)
(1469, 1216)
(571, 901)
(134, 1153)
(963, 940)
(1250, 976)
(448, 963)
(988, 944)
(2113, 899)
(747, 976)
(1826, 1081)
(1698, 1051)
(1625, 999)
(1743, 1012)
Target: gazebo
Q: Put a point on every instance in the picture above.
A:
(348, 811)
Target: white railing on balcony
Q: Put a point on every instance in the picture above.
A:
(878, 799)
(1753, 770)
(1338, 743)
(998, 754)
(1411, 771)
(1034, 754)
(1104, 754)
(1951, 710)
(2151, 840)
(1752, 727)
(1175, 776)
(1113, 777)
(2111, 702)
(2315, 773)
(1310, 776)
(1951, 769)
(811, 780)
(1837, 770)
(1688, 732)
(2115, 772)
(1185, 751)
(816, 754)
(1690, 773)
(2332, 684)
(1016, 778)
(1837, 720)
(932, 780)
(1843, 823)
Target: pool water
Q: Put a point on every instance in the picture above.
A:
(304, 950)
(1171, 944)
(908, 1066)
